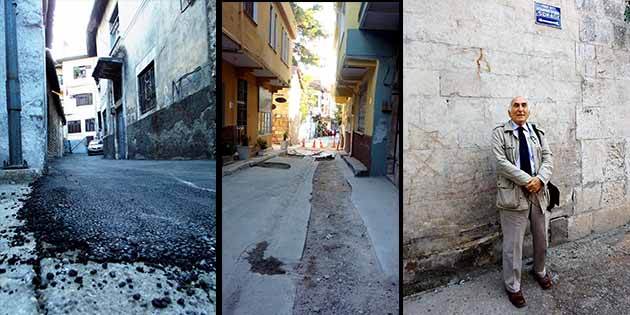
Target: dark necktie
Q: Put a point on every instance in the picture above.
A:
(523, 152)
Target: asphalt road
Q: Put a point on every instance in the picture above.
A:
(126, 211)
(265, 215)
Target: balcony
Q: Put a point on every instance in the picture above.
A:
(383, 16)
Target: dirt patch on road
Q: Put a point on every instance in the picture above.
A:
(340, 273)
(264, 266)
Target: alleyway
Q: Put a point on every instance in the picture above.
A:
(295, 242)
(340, 271)
(591, 276)
(114, 237)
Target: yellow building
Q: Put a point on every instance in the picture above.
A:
(257, 44)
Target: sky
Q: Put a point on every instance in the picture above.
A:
(70, 27)
(328, 58)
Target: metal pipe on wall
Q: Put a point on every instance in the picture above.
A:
(14, 103)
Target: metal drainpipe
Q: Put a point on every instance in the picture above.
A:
(14, 104)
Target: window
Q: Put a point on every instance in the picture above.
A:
(89, 124)
(83, 99)
(285, 47)
(270, 25)
(60, 78)
(146, 86)
(251, 11)
(114, 24)
(264, 123)
(275, 32)
(74, 126)
(241, 101)
(81, 71)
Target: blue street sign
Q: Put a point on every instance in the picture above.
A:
(547, 15)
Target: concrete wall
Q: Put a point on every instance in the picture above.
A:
(463, 62)
(31, 64)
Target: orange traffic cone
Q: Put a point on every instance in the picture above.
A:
(303, 143)
(314, 144)
(321, 146)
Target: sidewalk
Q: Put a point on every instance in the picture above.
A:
(377, 201)
(591, 276)
(243, 164)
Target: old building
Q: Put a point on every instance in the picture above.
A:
(31, 117)
(257, 51)
(80, 102)
(367, 46)
(155, 78)
(464, 62)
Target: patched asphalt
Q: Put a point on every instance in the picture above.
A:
(155, 212)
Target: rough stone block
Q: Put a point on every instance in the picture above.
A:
(613, 194)
(564, 70)
(459, 84)
(501, 86)
(580, 225)
(588, 197)
(610, 218)
(592, 123)
(558, 231)
(593, 160)
(421, 82)
(615, 164)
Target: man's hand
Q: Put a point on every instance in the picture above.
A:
(534, 184)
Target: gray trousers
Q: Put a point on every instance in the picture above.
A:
(513, 225)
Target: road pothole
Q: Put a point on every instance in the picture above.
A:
(264, 266)
(274, 165)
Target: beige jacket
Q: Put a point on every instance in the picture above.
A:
(511, 195)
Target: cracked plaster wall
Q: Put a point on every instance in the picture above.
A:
(32, 74)
(460, 72)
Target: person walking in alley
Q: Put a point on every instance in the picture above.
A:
(524, 167)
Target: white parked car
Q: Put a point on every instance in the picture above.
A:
(95, 147)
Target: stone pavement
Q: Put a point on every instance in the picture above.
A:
(591, 276)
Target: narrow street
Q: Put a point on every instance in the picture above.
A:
(294, 242)
(114, 237)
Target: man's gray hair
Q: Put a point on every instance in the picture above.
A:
(512, 101)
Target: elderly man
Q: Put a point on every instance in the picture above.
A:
(524, 167)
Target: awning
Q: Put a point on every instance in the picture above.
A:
(108, 68)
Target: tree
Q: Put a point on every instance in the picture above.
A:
(627, 12)
(309, 29)
(308, 98)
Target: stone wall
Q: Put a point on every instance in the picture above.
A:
(463, 62)
(31, 64)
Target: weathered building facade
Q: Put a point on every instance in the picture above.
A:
(39, 110)
(80, 101)
(155, 78)
(366, 43)
(464, 61)
(257, 49)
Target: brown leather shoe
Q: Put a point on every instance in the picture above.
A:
(544, 282)
(516, 298)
